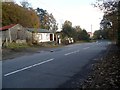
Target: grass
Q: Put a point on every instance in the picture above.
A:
(92, 40)
(45, 44)
(49, 44)
(17, 46)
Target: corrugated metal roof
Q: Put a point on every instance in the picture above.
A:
(7, 27)
(38, 30)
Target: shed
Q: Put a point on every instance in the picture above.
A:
(40, 35)
(13, 33)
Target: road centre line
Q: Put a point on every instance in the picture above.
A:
(109, 42)
(71, 53)
(74, 51)
(28, 67)
(68, 53)
(86, 48)
(99, 43)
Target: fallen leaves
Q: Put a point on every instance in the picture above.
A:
(106, 73)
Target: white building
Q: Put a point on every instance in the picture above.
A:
(91, 34)
(40, 35)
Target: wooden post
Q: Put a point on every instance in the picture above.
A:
(10, 36)
(56, 38)
(53, 36)
(6, 39)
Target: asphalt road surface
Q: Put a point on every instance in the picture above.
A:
(49, 69)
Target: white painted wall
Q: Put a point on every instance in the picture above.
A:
(43, 37)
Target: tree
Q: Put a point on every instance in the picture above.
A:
(101, 34)
(118, 23)
(77, 32)
(42, 14)
(112, 31)
(78, 28)
(83, 35)
(107, 6)
(111, 11)
(14, 14)
(47, 20)
(25, 4)
(53, 25)
(67, 30)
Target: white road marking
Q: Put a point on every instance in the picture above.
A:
(71, 53)
(74, 52)
(28, 67)
(109, 42)
(77, 51)
(86, 48)
(68, 53)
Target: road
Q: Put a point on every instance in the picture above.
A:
(49, 69)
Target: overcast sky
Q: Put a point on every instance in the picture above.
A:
(79, 12)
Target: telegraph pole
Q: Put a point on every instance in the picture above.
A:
(91, 28)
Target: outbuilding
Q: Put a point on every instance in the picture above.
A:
(13, 33)
(40, 35)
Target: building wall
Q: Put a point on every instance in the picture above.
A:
(4, 35)
(43, 37)
(91, 34)
(14, 33)
(40, 37)
(29, 35)
(18, 33)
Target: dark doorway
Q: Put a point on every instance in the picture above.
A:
(51, 37)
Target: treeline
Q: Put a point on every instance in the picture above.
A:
(101, 34)
(76, 32)
(25, 15)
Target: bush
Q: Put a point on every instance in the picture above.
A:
(65, 42)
